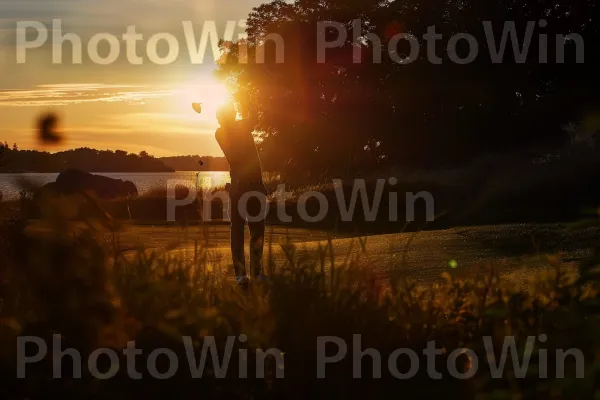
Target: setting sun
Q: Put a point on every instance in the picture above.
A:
(209, 92)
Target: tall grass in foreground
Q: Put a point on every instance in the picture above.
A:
(85, 289)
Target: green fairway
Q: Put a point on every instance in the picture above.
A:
(513, 249)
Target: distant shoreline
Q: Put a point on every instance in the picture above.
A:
(113, 172)
(144, 181)
(15, 161)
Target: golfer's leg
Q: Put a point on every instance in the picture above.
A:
(257, 234)
(237, 237)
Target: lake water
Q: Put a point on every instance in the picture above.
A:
(10, 183)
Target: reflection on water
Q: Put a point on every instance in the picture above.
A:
(10, 183)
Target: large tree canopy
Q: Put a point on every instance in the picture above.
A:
(341, 116)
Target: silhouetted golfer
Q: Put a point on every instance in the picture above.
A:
(236, 141)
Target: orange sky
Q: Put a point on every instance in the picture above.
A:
(121, 105)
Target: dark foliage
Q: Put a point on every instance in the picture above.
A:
(342, 118)
(85, 159)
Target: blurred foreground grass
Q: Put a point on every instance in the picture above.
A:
(95, 296)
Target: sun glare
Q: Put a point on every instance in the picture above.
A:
(209, 92)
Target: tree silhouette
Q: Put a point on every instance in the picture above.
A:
(85, 159)
(342, 117)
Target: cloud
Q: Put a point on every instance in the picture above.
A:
(160, 124)
(155, 117)
(66, 94)
(110, 13)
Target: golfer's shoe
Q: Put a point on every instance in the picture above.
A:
(242, 281)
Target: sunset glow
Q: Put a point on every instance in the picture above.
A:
(121, 106)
